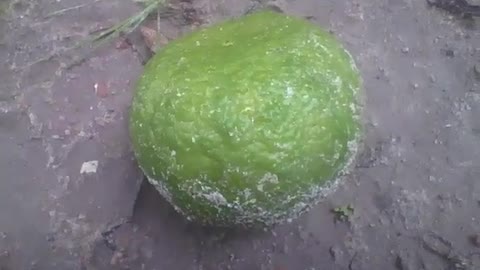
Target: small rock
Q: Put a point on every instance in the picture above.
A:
(122, 44)
(405, 50)
(153, 39)
(89, 167)
(101, 89)
(336, 253)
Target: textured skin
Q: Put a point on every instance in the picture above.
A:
(248, 121)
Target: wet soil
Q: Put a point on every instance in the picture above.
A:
(72, 197)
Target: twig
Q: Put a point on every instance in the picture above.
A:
(62, 11)
(124, 27)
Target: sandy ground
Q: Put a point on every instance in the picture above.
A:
(69, 183)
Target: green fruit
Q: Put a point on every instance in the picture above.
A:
(249, 121)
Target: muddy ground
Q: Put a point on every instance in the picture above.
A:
(69, 183)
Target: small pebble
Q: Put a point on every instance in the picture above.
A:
(89, 167)
(335, 252)
(405, 50)
(122, 44)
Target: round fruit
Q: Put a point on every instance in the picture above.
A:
(249, 121)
